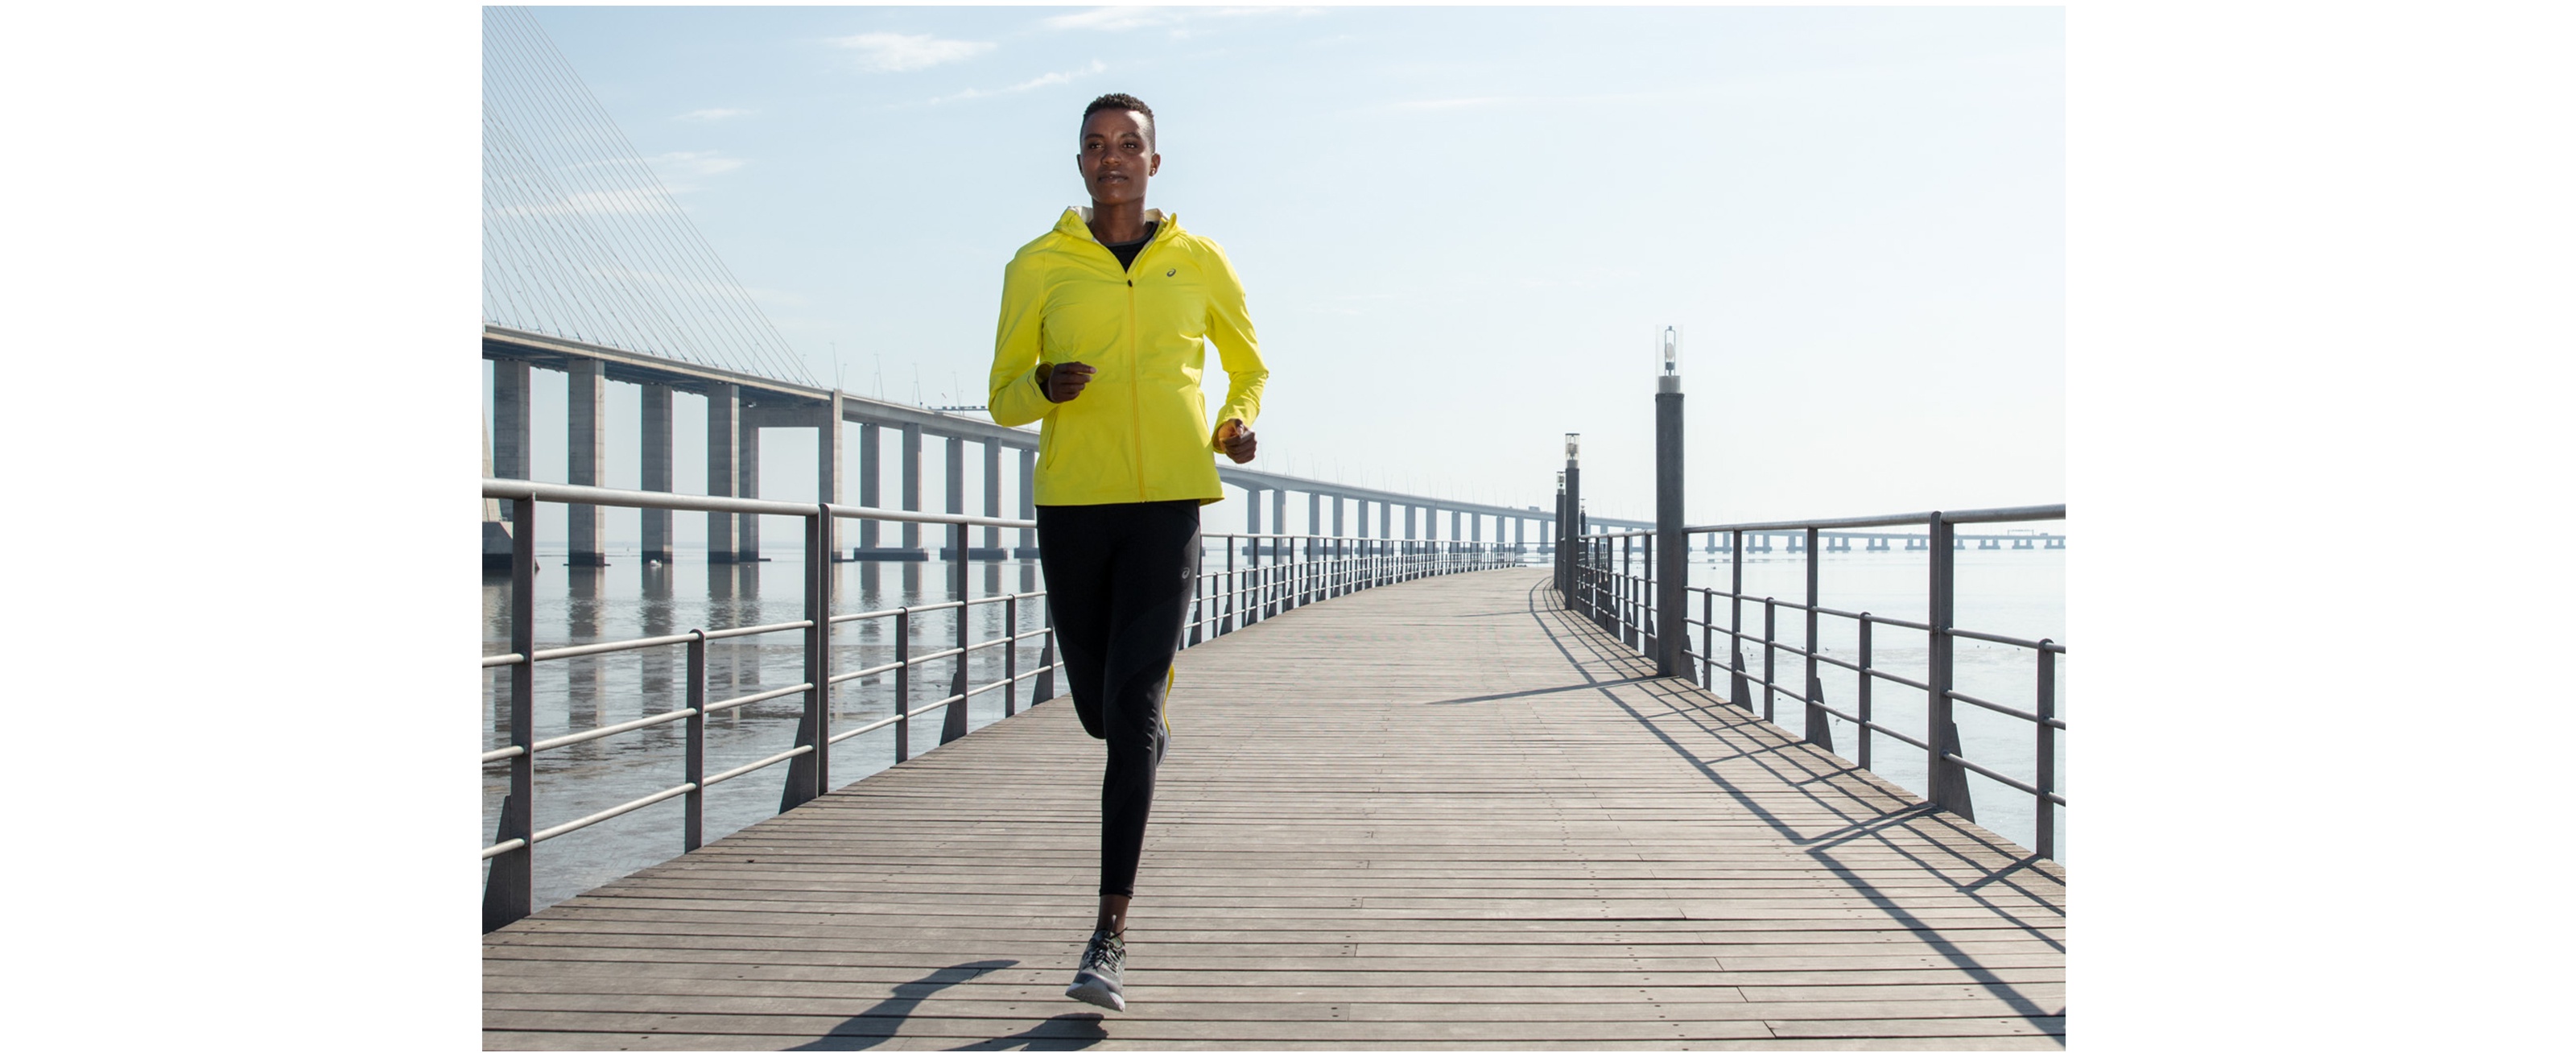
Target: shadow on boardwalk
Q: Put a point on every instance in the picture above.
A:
(1835, 787)
(1438, 814)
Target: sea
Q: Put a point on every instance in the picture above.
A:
(2006, 592)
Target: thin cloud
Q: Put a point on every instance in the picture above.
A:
(899, 52)
(695, 163)
(1120, 19)
(1451, 104)
(712, 114)
(1065, 77)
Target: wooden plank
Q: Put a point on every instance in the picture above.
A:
(1476, 825)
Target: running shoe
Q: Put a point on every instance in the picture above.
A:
(1096, 981)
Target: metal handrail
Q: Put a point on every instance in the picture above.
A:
(1611, 586)
(1275, 579)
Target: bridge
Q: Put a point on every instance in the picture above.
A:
(1421, 794)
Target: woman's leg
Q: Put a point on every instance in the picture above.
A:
(1151, 581)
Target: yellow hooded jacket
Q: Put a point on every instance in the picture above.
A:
(1140, 431)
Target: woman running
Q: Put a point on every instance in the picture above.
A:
(1105, 322)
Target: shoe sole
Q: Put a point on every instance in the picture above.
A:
(1091, 989)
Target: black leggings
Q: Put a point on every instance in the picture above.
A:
(1119, 581)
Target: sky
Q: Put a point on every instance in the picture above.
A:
(1459, 228)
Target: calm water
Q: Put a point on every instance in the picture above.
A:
(2015, 593)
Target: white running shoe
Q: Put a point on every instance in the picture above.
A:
(1096, 981)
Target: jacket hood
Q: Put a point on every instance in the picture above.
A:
(1076, 222)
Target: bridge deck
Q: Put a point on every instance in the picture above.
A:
(1442, 814)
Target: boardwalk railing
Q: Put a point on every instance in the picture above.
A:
(1615, 586)
(1279, 572)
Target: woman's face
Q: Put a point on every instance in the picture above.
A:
(1117, 157)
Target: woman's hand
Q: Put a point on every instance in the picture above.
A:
(1236, 440)
(1063, 381)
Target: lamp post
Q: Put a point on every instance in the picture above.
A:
(1671, 564)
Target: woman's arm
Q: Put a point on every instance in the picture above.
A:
(1016, 395)
(1229, 326)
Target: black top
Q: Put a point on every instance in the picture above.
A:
(1126, 250)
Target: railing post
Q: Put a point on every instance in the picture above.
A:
(1199, 605)
(809, 774)
(1011, 655)
(952, 724)
(1819, 731)
(2046, 811)
(1863, 690)
(902, 684)
(1742, 695)
(510, 889)
(1709, 639)
(1046, 658)
(1770, 611)
(693, 766)
(1949, 781)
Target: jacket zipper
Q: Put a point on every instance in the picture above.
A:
(1135, 390)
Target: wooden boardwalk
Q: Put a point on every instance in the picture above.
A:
(1437, 815)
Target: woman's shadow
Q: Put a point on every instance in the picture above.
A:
(870, 1027)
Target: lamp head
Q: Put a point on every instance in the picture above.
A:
(1573, 446)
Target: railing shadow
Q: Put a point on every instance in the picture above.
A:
(1837, 786)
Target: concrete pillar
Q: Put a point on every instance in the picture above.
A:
(724, 432)
(1337, 515)
(912, 484)
(746, 483)
(657, 471)
(1476, 527)
(1315, 513)
(868, 492)
(954, 495)
(1278, 516)
(827, 470)
(1363, 518)
(586, 454)
(510, 435)
(1028, 502)
(993, 493)
(1252, 511)
(1520, 532)
(1409, 528)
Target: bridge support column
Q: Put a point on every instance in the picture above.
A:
(911, 485)
(1278, 520)
(746, 475)
(510, 435)
(724, 432)
(868, 492)
(1252, 520)
(586, 452)
(657, 471)
(953, 495)
(827, 474)
(993, 497)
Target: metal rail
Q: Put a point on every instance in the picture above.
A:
(1278, 573)
(1614, 588)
